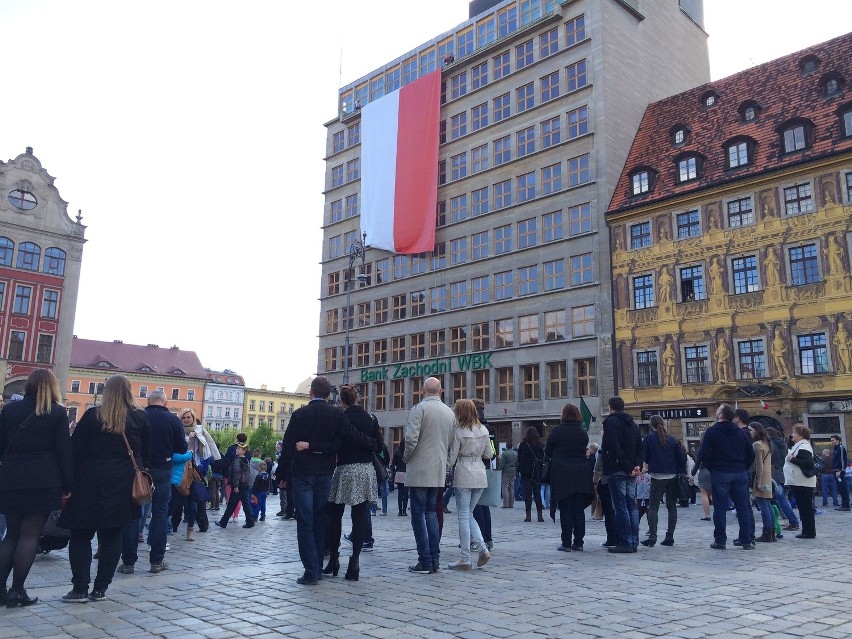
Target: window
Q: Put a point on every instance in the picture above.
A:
(640, 182)
(377, 88)
(575, 30)
(333, 283)
(507, 21)
(16, 345)
(688, 224)
(438, 296)
(44, 349)
(526, 141)
(578, 170)
(418, 303)
(585, 377)
(479, 76)
(745, 274)
(505, 384)
(439, 256)
(846, 118)
(502, 108)
(441, 214)
(380, 310)
(397, 394)
(557, 380)
(479, 155)
(502, 150)
(335, 246)
(143, 390)
(692, 284)
(523, 55)
(399, 307)
(479, 114)
(458, 340)
(550, 132)
(738, 154)
(54, 261)
(409, 71)
(528, 280)
(501, 65)
(337, 176)
(458, 384)
(479, 245)
(479, 287)
(647, 372)
(336, 211)
(526, 188)
(428, 62)
(416, 390)
(418, 263)
(581, 219)
(398, 349)
(832, 85)
(525, 97)
(804, 264)
(458, 85)
(679, 136)
(458, 125)
(400, 266)
(417, 346)
(458, 294)
(458, 208)
(740, 212)
(23, 200)
(529, 382)
(643, 291)
(485, 33)
(528, 329)
(582, 321)
(813, 354)
(502, 194)
(503, 239)
(548, 43)
(550, 86)
(795, 138)
(578, 122)
(7, 249)
(22, 299)
(337, 141)
(392, 83)
(551, 178)
(581, 269)
(527, 233)
(798, 199)
(29, 255)
(576, 75)
(687, 169)
(696, 364)
(382, 270)
(49, 304)
(458, 251)
(479, 203)
(363, 314)
(530, 11)
(353, 134)
(351, 209)
(481, 384)
(481, 335)
(551, 224)
(751, 357)
(437, 343)
(553, 275)
(503, 285)
(380, 351)
(504, 333)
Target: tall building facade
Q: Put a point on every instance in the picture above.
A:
(264, 406)
(41, 249)
(540, 104)
(224, 396)
(731, 234)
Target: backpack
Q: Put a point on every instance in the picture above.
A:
(221, 466)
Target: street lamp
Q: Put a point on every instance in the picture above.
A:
(357, 250)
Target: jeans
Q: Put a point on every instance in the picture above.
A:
(804, 497)
(622, 492)
(784, 504)
(572, 519)
(383, 493)
(158, 528)
(482, 515)
(468, 527)
(424, 523)
(660, 487)
(310, 493)
(449, 491)
(259, 509)
(508, 482)
(234, 500)
(80, 556)
(829, 487)
(545, 494)
(767, 517)
(726, 487)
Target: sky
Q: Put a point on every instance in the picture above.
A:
(190, 134)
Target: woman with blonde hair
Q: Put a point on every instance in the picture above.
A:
(470, 445)
(35, 473)
(101, 501)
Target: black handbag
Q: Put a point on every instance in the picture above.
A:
(381, 471)
(684, 488)
(804, 459)
(543, 471)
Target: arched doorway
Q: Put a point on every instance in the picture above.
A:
(768, 422)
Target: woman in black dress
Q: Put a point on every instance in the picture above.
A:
(101, 501)
(530, 453)
(398, 467)
(35, 473)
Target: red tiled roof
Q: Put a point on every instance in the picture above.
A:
(131, 358)
(782, 92)
(225, 377)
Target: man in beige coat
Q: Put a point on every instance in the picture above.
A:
(427, 442)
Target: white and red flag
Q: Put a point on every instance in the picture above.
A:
(399, 167)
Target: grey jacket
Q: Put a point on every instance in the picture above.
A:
(467, 450)
(427, 440)
(508, 462)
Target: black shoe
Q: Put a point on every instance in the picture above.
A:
(564, 548)
(609, 544)
(420, 569)
(801, 536)
(220, 524)
(650, 542)
(844, 509)
(352, 570)
(75, 596)
(280, 513)
(737, 542)
(620, 549)
(367, 546)
(262, 518)
(249, 525)
(97, 595)
(307, 581)
(577, 547)
(716, 546)
(668, 541)
(19, 598)
(332, 567)
(436, 567)
(748, 546)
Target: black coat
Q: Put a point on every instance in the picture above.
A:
(570, 473)
(365, 424)
(103, 472)
(527, 456)
(621, 444)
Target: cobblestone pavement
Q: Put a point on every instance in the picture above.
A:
(236, 582)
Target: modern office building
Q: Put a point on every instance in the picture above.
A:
(41, 250)
(731, 234)
(540, 103)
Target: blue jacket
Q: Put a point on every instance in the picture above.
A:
(178, 461)
(727, 448)
(665, 460)
(167, 436)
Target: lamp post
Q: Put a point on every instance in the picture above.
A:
(357, 250)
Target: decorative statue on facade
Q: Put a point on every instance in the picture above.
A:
(779, 355)
(723, 353)
(669, 361)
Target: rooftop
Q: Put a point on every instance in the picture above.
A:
(117, 357)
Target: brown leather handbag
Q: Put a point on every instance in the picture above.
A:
(142, 490)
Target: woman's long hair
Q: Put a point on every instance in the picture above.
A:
(466, 414)
(42, 383)
(118, 402)
(532, 438)
(760, 434)
(659, 427)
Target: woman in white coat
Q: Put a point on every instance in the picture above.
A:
(470, 444)
(801, 487)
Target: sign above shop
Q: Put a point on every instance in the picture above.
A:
(675, 413)
(838, 406)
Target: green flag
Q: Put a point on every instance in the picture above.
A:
(586, 413)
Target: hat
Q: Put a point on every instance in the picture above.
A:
(242, 445)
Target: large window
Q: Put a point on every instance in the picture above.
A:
(551, 179)
(479, 156)
(479, 114)
(525, 139)
(751, 356)
(458, 294)
(550, 132)
(582, 271)
(549, 86)
(22, 299)
(578, 122)
(480, 289)
(529, 382)
(479, 76)
(745, 274)
(479, 204)
(438, 296)
(49, 304)
(458, 251)
(643, 291)
(502, 150)
(479, 245)
(524, 55)
(578, 170)
(585, 377)
(502, 108)
(525, 97)
(576, 75)
(528, 329)
(548, 43)
(29, 255)
(7, 250)
(528, 280)
(527, 233)
(458, 166)
(553, 275)
(804, 264)
(798, 199)
(583, 321)
(647, 371)
(581, 218)
(795, 138)
(505, 384)
(398, 349)
(692, 283)
(813, 354)
(503, 239)
(458, 340)
(437, 343)
(554, 325)
(54, 261)
(417, 346)
(551, 226)
(481, 336)
(557, 380)
(504, 333)
(526, 186)
(458, 125)
(688, 225)
(575, 30)
(16, 345)
(501, 65)
(695, 358)
(687, 169)
(418, 303)
(740, 212)
(503, 285)
(458, 85)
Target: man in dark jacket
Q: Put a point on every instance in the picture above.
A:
(309, 449)
(839, 460)
(727, 453)
(621, 448)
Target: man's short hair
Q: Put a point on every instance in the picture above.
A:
(726, 412)
(157, 396)
(743, 415)
(321, 387)
(836, 438)
(616, 404)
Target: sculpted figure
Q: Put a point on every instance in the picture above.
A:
(715, 272)
(772, 264)
(723, 369)
(669, 360)
(835, 256)
(844, 349)
(779, 355)
(665, 286)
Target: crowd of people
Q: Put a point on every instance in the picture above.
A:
(331, 458)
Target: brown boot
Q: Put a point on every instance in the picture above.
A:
(766, 536)
(529, 511)
(540, 516)
(190, 534)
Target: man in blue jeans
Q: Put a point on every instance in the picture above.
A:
(621, 449)
(727, 452)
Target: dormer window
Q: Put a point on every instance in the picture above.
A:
(739, 152)
(688, 168)
(103, 364)
(796, 135)
(709, 99)
(749, 111)
(809, 64)
(846, 120)
(642, 180)
(831, 84)
(679, 136)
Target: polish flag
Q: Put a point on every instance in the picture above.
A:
(764, 405)
(399, 167)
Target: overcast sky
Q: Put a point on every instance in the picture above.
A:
(190, 133)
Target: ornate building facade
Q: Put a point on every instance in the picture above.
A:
(731, 230)
(224, 396)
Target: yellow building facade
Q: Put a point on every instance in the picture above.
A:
(264, 406)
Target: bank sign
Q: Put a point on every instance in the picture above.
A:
(438, 366)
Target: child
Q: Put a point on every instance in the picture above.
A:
(259, 489)
(238, 479)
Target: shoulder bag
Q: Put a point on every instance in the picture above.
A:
(541, 467)
(142, 490)
(804, 459)
(186, 479)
